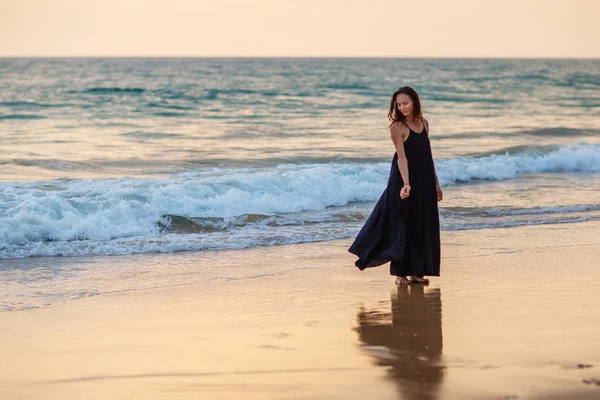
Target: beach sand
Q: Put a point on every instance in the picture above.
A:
(515, 315)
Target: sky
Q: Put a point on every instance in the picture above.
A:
(301, 28)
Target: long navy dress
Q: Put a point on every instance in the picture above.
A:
(405, 232)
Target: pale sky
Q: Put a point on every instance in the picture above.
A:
(296, 28)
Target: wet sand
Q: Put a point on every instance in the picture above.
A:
(515, 315)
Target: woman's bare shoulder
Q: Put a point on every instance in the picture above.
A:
(398, 132)
(398, 128)
(426, 123)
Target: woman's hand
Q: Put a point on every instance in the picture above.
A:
(440, 194)
(405, 192)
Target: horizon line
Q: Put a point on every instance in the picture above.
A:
(311, 57)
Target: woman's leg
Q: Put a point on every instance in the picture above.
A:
(397, 271)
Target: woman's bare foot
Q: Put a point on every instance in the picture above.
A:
(418, 279)
(402, 281)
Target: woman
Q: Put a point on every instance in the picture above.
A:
(404, 226)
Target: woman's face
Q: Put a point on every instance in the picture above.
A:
(405, 104)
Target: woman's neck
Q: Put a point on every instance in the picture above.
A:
(410, 119)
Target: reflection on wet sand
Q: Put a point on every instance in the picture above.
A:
(408, 340)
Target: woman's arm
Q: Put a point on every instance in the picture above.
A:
(398, 133)
(440, 194)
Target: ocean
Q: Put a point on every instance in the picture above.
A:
(119, 156)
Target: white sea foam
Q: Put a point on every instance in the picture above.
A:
(576, 158)
(116, 216)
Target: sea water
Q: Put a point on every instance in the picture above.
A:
(122, 156)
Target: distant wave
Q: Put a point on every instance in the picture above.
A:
(519, 150)
(465, 99)
(576, 79)
(549, 132)
(346, 86)
(561, 132)
(114, 90)
(581, 79)
(168, 106)
(21, 116)
(169, 114)
(151, 135)
(32, 104)
(51, 164)
(212, 94)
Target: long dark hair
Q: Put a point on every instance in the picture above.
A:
(395, 115)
